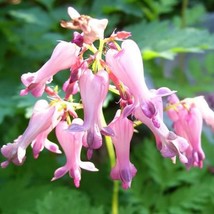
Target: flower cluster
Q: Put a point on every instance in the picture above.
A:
(116, 66)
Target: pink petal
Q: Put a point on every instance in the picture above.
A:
(60, 172)
(88, 166)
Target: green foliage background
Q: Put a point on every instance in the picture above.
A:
(177, 49)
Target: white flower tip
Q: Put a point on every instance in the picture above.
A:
(104, 22)
(73, 13)
(173, 160)
(59, 152)
(88, 166)
(52, 147)
(183, 159)
(21, 154)
(40, 105)
(95, 169)
(53, 179)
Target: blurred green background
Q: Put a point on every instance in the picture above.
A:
(177, 42)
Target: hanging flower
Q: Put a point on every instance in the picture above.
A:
(187, 116)
(63, 57)
(147, 107)
(123, 130)
(44, 117)
(71, 143)
(93, 90)
(127, 66)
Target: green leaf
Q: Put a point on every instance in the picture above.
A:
(47, 3)
(133, 209)
(34, 15)
(208, 146)
(7, 104)
(165, 6)
(162, 187)
(193, 15)
(109, 6)
(20, 196)
(193, 197)
(209, 63)
(16, 196)
(150, 54)
(161, 39)
(63, 200)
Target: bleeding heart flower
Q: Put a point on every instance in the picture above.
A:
(93, 91)
(71, 143)
(123, 170)
(44, 118)
(63, 57)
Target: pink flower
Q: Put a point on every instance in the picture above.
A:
(71, 143)
(93, 90)
(169, 144)
(124, 170)
(63, 57)
(127, 66)
(78, 39)
(187, 116)
(206, 112)
(93, 29)
(42, 142)
(70, 87)
(44, 117)
(120, 35)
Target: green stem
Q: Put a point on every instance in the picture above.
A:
(115, 193)
(111, 153)
(182, 76)
(183, 13)
(110, 149)
(115, 197)
(92, 48)
(109, 144)
(102, 42)
(97, 65)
